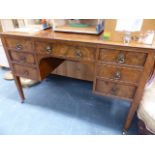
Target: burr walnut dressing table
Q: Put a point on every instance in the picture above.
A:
(118, 70)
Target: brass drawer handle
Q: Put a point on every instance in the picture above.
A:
(78, 53)
(19, 46)
(121, 58)
(117, 75)
(114, 90)
(49, 49)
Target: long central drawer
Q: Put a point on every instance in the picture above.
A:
(66, 51)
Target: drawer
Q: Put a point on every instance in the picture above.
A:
(19, 43)
(66, 51)
(26, 72)
(114, 89)
(124, 74)
(122, 57)
(22, 57)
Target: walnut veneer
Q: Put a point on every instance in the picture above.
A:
(117, 70)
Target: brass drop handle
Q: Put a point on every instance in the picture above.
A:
(48, 49)
(114, 90)
(19, 46)
(121, 58)
(117, 75)
(78, 53)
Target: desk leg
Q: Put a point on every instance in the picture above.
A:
(19, 87)
(130, 116)
(139, 93)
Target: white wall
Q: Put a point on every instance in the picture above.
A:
(3, 59)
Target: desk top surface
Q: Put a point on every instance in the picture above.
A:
(85, 38)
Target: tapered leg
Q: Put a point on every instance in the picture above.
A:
(19, 87)
(130, 116)
(149, 64)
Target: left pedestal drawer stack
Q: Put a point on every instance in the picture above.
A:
(21, 56)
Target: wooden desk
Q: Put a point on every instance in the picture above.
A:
(119, 70)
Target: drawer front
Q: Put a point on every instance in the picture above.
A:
(60, 50)
(26, 72)
(122, 57)
(110, 88)
(119, 73)
(19, 44)
(22, 57)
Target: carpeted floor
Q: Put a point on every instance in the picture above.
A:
(61, 106)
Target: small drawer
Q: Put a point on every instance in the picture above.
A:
(114, 89)
(123, 74)
(26, 72)
(22, 57)
(20, 44)
(66, 51)
(122, 57)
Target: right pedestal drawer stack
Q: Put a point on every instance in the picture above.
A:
(118, 72)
